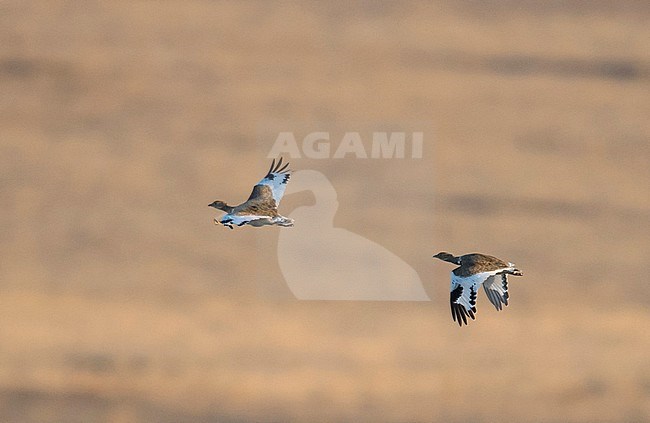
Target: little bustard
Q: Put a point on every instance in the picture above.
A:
(474, 270)
(261, 208)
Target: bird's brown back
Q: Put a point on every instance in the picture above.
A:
(259, 203)
(471, 264)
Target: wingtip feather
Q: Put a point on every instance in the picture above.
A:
(283, 168)
(277, 167)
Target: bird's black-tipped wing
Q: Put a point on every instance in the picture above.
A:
(463, 298)
(276, 180)
(496, 288)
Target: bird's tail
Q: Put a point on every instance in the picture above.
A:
(284, 221)
(516, 272)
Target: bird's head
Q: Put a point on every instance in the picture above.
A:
(220, 205)
(447, 257)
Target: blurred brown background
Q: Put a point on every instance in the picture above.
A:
(120, 121)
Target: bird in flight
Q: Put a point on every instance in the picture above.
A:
(474, 270)
(261, 208)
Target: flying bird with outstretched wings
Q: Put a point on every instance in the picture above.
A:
(473, 271)
(261, 208)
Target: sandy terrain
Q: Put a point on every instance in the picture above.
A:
(120, 121)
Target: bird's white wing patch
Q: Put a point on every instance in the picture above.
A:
(462, 298)
(464, 291)
(277, 179)
(496, 288)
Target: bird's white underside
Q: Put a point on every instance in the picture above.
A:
(253, 220)
(475, 281)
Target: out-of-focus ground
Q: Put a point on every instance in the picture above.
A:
(120, 300)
